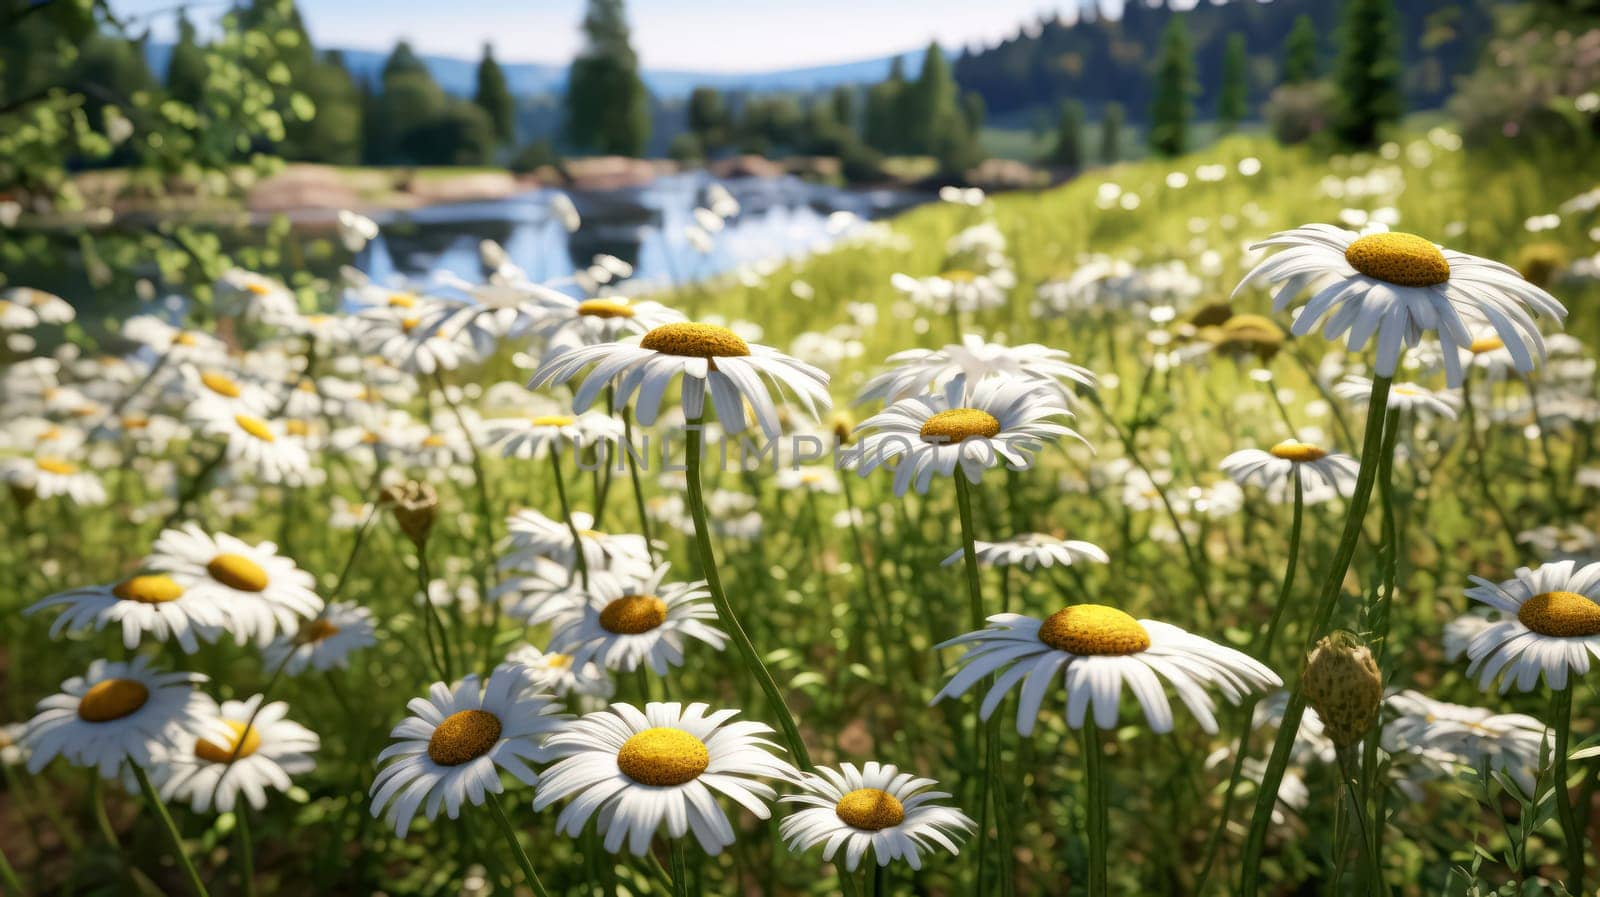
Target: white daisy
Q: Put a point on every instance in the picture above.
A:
(214, 392)
(1463, 738)
(47, 307)
(453, 746)
(45, 476)
(148, 603)
(956, 289)
(260, 591)
(262, 750)
(261, 446)
(534, 435)
(708, 356)
(400, 338)
(917, 371)
(1292, 459)
(1031, 550)
(877, 807)
(637, 770)
(647, 624)
(1093, 649)
(115, 712)
(1406, 398)
(256, 297)
(557, 674)
(586, 322)
(324, 643)
(532, 535)
(979, 426)
(1398, 286)
(1551, 626)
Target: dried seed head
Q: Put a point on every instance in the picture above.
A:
(1343, 683)
(414, 504)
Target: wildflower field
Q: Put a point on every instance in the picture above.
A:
(1021, 544)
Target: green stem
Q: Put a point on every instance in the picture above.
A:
(633, 474)
(1095, 785)
(160, 809)
(521, 855)
(1561, 721)
(247, 850)
(725, 614)
(580, 561)
(8, 877)
(680, 868)
(1332, 584)
(1370, 864)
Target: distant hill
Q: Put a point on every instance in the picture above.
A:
(459, 76)
(1095, 61)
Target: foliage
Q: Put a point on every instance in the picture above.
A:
(1300, 52)
(1367, 71)
(1173, 104)
(1296, 113)
(1233, 98)
(607, 107)
(493, 96)
(1539, 83)
(1068, 150)
(1111, 119)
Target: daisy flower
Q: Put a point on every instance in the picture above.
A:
(587, 322)
(637, 770)
(916, 371)
(555, 673)
(262, 446)
(213, 392)
(532, 535)
(1292, 459)
(401, 339)
(256, 297)
(324, 643)
(648, 624)
(708, 356)
(173, 343)
(260, 591)
(454, 745)
(152, 603)
(1407, 398)
(47, 307)
(1094, 649)
(1031, 550)
(12, 753)
(16, 316)
(977, 427)
(1398, 286)
(876, 807)
(534, 435)
(956, 289)
(45, 476)
(115, 712)
(261, 751)
(1463, 738)
(1551, 625)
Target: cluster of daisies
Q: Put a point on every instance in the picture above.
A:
(120, 717)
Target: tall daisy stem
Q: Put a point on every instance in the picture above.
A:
(1561, 721)
(8, 877)
(1095, 823)
(581, 561)
(516, 846)
(247, 850)
(1328, 599)
(680, 868)
(160, 809)
(719, 598)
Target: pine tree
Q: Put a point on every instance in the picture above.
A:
(1233, 96)
(935, 121)
(608, 110)
(493, 96)
(1171, 108)
(1111, 133)
(1367, 71)
(1300, 52)
(709, 120)
(1068, 150)
(186, 70)
(881, 129)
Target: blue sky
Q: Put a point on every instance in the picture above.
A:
(701, 35)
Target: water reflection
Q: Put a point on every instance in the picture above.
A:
(646, 227)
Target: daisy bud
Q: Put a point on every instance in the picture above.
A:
(1343, 683)
(413, 504)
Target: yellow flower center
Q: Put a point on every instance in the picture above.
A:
(241, 744)
(958, 275)
(402, 300)
(220, 383)
(409, 324)
(432, 440)
(871, 809)
(135, 421)
(56, 466)
(1399, 258)
(1486, 344)
(255, 426)
(464, 735)
(151, 589)
(1561, 615)
(957, 424)
(294, 427)
(112, 699)
(238, 572)
(558, 661)
(49, 434)
(663, 757)
(1297, 451)
(1093, 629)
(692, 340)
(552, 420)
(315, 631)
(605, 308)
(258, 287)
(633, 614)
(185, 338)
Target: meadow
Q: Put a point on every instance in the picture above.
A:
(409, 457)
